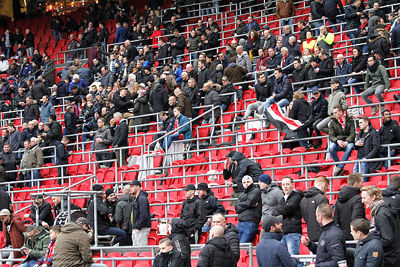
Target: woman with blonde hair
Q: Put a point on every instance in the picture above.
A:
(384, 221)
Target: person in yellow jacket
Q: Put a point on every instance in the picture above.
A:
(325, 40)
(309, 43)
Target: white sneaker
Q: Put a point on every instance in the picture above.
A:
(258, 116)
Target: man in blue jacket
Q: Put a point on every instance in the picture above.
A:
(121, 33)
(141, 221)
(283, 90)
(62, 157)
(184, 131)
(278, 254)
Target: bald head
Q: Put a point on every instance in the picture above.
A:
(217, 231)
(177, 92)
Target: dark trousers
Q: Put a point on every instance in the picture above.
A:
(103, 156)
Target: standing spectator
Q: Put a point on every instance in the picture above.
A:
(312, 198)
(178, 45)
(46, 109)
(319, 110)
(317, 14)
(183, 103)
(13, 230)
(285, 11)
(278, 254)
(62, 155)
(341, 134)
(348, 206)
(121, 33)
(242, 59)
(193, 212)
(248, 207)
(55, 132)
(73, 247)
(230, 233)
(331, 11)
(289, 208)
(123, 212)
(324, 70)
(111, 202)
(211, 204)
(56, 26)
(369, 251)
(102, 141)
(36, 241)
(29, 42)
(389, 134)
(120, 138)
(7, 41)
(331, 247)
(141, 221)
(213, 99)
(243, 167)
(9, 161)
(376, 82)
(45, 218)
(180, 240)
(353, 15)
(217, 251)
(14, 136)
(384, 221)
(167, 256)
(391, 195)
(31, 110)
(58, 207)
(368, 145)
(34, 159)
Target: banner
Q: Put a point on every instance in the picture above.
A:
(280, 121)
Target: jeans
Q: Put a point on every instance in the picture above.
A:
(61, 172)
(334, 148)
(118, 232)
(364, 169)
(285, 22)
(192, 58)
(140, 238)
(318, 24)
(171, 138)
(100, 156)
(256, 106)
(8, 52)
(292, 242)
(378, 91)
(36, 176)
(57, 35)
(302, 133)
(356, 88)
(224, 107)
(385, 155)
(351, 35)
(247, 231)
(28, 264)
(323, 125)
(29, 51)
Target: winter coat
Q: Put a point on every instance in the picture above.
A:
(45, 214)
(348, 207)
(10, 164)
(277, 256)
(244, 61)
(319, 108)
(185, 131)
(141, 107)
(216, 253)
(325, 70)
(103, 223)
(85, 74)
(231, 234)
(180, 240)
(70, 121)
(359, 64)
(203, 75)
(38, 245)
(193, 43)
(31, 112)
(326, 42)
(308, 205)
(336, 132)
(159, 99)
(263, 91)
(343, 70)
(5, 200)
(301, 110)
(299, 75)
(290, 210)
(234, 73)
(13, 139)
(121, 134)
(27, 134)
(330, 8)
(283, 89)
(194, 213)
(61, 154)
(212, 98)
(268, 42)
(179, 47)
(331, 246)
(270, 198)
(248, 206)
(274, 61)
(353, 20)
(377, 77)
(45, 111)
(211, 204)
(107, 80)
(170, 259)
(370, 149)
(285, 9)
(391, 196)
(34, 158)
(106, 138)
(379, 44)
(55, 133)
(38, 90)
(121, 34)
(72, 247)
(123, 213)
(227, 99)
(337, 97)
(184, 103)
(122, 104)
(245, 167)
(14, 235)
(141, 212)
(317, 10)
(369, 252)
(389, 134)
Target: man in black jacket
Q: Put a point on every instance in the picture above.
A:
(180, 239)
(45, 216)
(244, 167)
(168, 256)
(177, 44)
(317, 12)
(289, 208)
(391, 195)
(120, 138)
(231, 234)
(353, 15)
(348, 206)
(299, 75)
(141, 221)
(331, 247)
(319, 108)
(62, 156)
(31, 110)
(325, 70)
(312, 198)
(217, 251)
(248, 207)
(193, 212)
(123, 103)
(211, 204)
(62, 205)
(389, 134)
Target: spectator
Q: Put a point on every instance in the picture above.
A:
(217, 251)
(391, 195)
(9, 161)
(359, 64)
(325, 40)
(4, 64)
(183, 102)
(34, 159)
(313, 197)
(331, 246)
(213, 99)
(56, 26)
(304, 28)
(244, 167)
(180, 239)
(36, 241)
(376, 82)
(286, 61)
(13, 230)
(242, 59)
(289, 208)
(268, 40)
(299, 75)
(317, 13)
(342, 135)
(331, 11)
(309, 43)
(252, 24)
(103, 218)
(234, 72)
(31, 110)
(278, 254)
(123, 212)
(368, 145)
(46, 109)
(60, 206)
(353, 14)
(73, 247)
(248, 208)
(226, 88)
(241, 29)
(178, 45)
(45, 218)
(55, 133)
(121, 33)
(211, 204)
(28, 133)
(348, 206)
(185, 131)
(193, 213)
(47, 259)
(111, 202)
(167, 255)
(285, 11)
(62, 155)
(299, 109)
(383, 220)
(141, 222)
(343, 69)
(389, 134)
(120, 138)
(230, 233)
(102, 141)
(319, 107)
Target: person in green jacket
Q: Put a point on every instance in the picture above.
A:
(37, 238)
(376, 82)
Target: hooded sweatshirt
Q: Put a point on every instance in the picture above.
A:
(179, 239)
(216, 253)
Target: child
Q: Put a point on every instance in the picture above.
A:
(47, 259)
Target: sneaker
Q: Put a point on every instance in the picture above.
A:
(337, 171)
(258, 116)
(374, 110)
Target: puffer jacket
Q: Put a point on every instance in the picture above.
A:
(211, 204)
(389, 134)
(353, 20)
(290, 210)
(248, 206)
(283, 89)
(180, 240)
(194, 213)
(232, 236)
(308, 205)
(270, 198)
(370, 149)
(245, 167)
(216, 253)
(348, 207)
(391, 196)
(277, 256)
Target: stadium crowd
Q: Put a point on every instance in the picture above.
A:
(154, 69)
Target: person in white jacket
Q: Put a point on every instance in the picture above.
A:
(4, 65)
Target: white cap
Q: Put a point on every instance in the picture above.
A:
(247, 178)
(75, 77)
(5, 212)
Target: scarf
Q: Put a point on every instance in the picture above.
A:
(374, 67)
(374, 209)
(342, 120)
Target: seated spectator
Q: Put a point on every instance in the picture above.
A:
(309, 43)
(13, 230)
(211, 204)
(343, 69)
(248, 208)
(379, 42)
(111, 202)
(287, 33)
(36, 241)
(389, 134)
(262, 61)
(298, 75)
(234, 72)
(368, 145)
(242, 59)
(180, 239)
(183, 133)
(376, 82)
(45, 218)
(47, 259)
(294, 47)
(342, 135)
(241, 29)
(278, 254)
(286, 61)
(325, 40)
(213, 99)
(358, 65)
(319, 112)
(268, 40)
(183, 102)
(60, 206)
(168, 256)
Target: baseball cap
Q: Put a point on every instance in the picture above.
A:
(315, 90)
(82, 220)
(202, 186)
(5, 212)
(76, 76)
(247, 178)
(136, 182)
(230, 154)
(271, 221)
(190, 187)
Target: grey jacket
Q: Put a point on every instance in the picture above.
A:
(123, 213)
(244, 61)
(337, 97)
(105, 135)
(270, 198)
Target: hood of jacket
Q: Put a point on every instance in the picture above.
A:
(71, 228)
(272, 235)
(220, 242)
(312, 192)
(179, 226)
(103, 129)
(348, 192)
(390, 191)
(238, 156)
